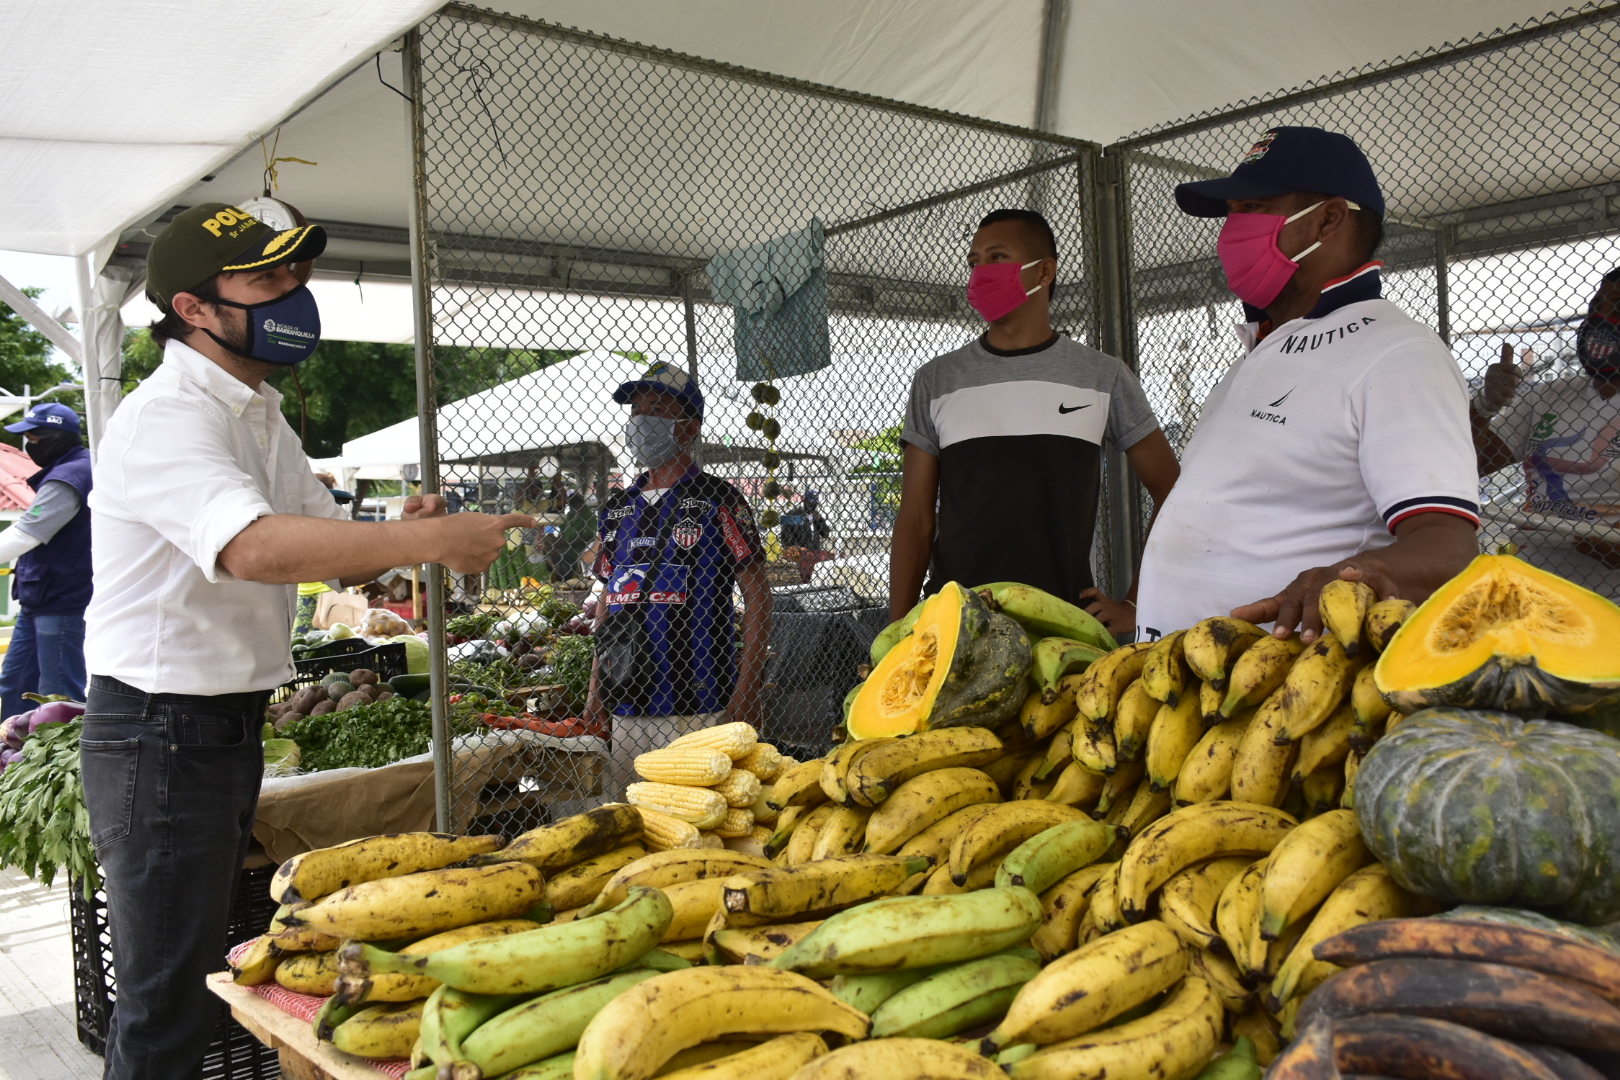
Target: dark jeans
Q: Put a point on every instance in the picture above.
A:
(46, 657)
(171, 782)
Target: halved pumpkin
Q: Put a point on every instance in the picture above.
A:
(1504, 635)
(961, 664)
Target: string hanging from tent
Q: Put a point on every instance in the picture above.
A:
(272, 179)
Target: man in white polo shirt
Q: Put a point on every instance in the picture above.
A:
(1338, 446)
(206, 518)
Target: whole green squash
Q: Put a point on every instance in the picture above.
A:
(1485, 808)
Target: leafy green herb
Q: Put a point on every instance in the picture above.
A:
(571, 657)
(364, 737)
(496, 674)
(476, 625)
(44, 826)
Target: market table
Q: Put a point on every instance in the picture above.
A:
(303, 1057)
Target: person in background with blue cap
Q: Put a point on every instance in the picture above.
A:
(670, 655)
(207, 516)
(50, 549)
(1338, 445)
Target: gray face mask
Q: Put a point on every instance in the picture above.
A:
(651, 439)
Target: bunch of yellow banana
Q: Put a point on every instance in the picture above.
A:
(1160, 827)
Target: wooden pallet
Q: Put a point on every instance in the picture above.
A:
(303, 1057)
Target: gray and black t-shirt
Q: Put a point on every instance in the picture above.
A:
(1019, 440)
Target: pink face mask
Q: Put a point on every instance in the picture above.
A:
(1256, 269)
(995, 290)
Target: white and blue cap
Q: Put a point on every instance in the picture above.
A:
(671, 380)
(48, 416)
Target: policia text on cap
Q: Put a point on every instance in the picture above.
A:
(207, 515)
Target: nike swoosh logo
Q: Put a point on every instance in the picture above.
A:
(1064, 410)
(1282, 399)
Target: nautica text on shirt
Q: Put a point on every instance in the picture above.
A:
(1297, 343)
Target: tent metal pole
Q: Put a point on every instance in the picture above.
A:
(690, 305)
(60, 336)
(1107, 200)
(426, 397)
(1054, 31)
(1442, 280)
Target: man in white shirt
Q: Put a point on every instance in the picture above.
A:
(1565, 433)
(207, 516)
(1338, 446)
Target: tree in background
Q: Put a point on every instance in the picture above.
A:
(351, 388)
(25, 360)
(347, 389)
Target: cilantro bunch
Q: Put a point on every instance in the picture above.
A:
(44, 825)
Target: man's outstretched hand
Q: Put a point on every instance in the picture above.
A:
(1297, 605)
(418, 507)
(471, 542)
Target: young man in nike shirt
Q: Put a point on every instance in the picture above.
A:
(1338, 445)
(1003, 439)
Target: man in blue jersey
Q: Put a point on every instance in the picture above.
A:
(672, 547)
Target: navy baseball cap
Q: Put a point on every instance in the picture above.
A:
(668, 378)
(48, 415)
(1289, 159)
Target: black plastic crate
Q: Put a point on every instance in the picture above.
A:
(346, 654)
(234, 1054)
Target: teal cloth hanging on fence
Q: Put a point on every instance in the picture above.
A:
(778, 291)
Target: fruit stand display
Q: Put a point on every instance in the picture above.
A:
(1040, 855)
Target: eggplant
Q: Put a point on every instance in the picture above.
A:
(15, 729)
(54, 712)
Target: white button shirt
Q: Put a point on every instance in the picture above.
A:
(189, 460)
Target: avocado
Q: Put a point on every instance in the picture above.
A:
(335, 677)
(337, 690)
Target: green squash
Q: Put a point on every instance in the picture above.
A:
(961, 664)
(891, 635)
(1485, 808)
(1505, 635)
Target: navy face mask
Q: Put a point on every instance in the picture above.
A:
(281, 331)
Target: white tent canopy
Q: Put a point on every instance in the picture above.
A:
(116, 111)
(563, 413)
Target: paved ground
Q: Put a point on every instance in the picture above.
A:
(38, 1040)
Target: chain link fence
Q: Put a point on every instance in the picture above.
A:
(1499, 160)
(589, 209)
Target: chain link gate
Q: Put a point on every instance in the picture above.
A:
(573, 192)
(1500, 163)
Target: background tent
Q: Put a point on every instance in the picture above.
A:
(551, 417)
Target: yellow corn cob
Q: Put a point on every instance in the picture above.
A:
(737, 740)
(764, 761)
(761, 833)
(737, 823)
(685, 765)
(660, 832)
(710, 840)
(741, 788)
(703, 807)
